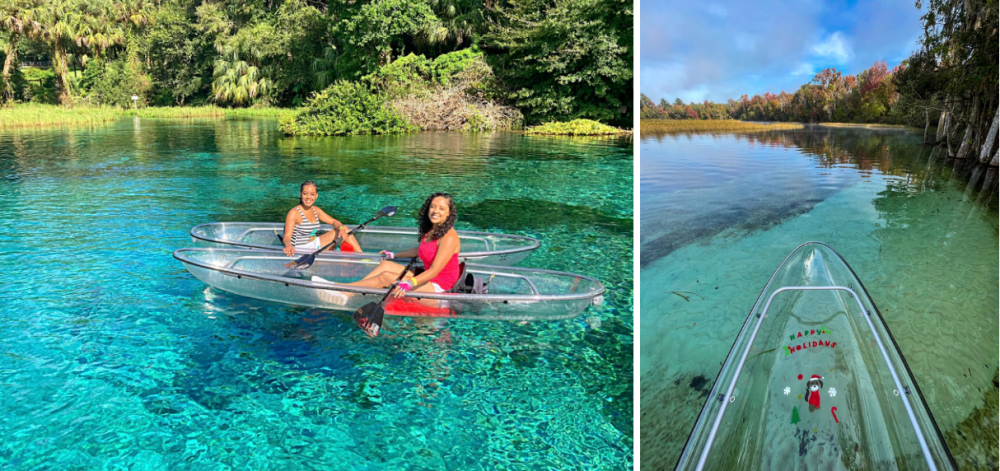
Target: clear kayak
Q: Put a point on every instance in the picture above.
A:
(478, 247)
(512, 293)
(815, 381)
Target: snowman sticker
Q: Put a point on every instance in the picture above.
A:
(812, 392)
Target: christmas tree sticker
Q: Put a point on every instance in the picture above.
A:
(795, 415)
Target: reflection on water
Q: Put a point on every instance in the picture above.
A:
(115, 356)
(720, 212)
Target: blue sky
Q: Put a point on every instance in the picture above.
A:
(717, 50)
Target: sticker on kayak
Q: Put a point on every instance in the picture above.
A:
(812, 391)
(813, 397)
(808, 343)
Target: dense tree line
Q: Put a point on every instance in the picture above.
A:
(868, 97)
(552, 59)
(951, 81)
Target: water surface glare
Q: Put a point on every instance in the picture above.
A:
(719, 214)
(116, 357)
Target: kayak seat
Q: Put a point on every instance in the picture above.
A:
(468, 283)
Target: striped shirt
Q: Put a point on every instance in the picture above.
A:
(305, 230)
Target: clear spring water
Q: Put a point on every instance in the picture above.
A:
(114, 356)
(720, 212)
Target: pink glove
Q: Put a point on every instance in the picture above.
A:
(406, 285)
(388, 255)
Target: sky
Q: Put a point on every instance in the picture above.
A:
(718, 50)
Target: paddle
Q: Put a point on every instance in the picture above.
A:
(369, 317)
(307, 260)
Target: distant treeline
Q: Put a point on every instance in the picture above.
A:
(552, 60)
(951, 81)
(868, 97)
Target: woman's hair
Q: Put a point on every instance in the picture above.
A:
(303, 187)
(425, 221)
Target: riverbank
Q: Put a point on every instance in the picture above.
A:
(36, 115)
(669, 126)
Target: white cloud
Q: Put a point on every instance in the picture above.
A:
(804, 68)
(835, 47)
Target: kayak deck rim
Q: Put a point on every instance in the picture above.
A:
(473, 268)
(535, 243)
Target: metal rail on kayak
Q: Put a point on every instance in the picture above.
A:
(499, 271)
(746, 351)
(531, 285)
(490, 248)
(242, 235)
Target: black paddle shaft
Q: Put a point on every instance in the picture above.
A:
(307, 260)
(369, 317)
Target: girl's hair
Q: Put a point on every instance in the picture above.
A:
(303, 187)
(425, 221)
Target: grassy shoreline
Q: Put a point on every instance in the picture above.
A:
(32, 115)
(668, 126)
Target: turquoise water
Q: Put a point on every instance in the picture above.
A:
(114, 356)
(720, 213)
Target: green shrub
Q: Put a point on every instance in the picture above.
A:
(113, 83)
(577, 127)
(404, 76)
(412, 74)
(41, 86)
(465, 62)
(91, 73)
(344, 109)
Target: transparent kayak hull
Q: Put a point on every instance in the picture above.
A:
(815, 381)
(478, 247)
(513, 293)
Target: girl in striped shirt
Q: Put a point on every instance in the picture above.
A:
(302, 224)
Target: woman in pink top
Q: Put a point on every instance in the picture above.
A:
(438, 250)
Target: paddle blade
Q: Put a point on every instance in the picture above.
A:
(387, 211)
(304, 261)
(369, 318)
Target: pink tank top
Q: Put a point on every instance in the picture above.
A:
(449, 275)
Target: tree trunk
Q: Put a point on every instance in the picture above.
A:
(971, 131)
(927, 123)
(966, 142)
(59, 66)
(8, 64)
(947, 135)
(991, 138)
(994, 162)
(942, 121)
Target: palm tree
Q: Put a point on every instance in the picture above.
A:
(88, 25)
(458, 21)
(17, 18)
(239, 83)
(58, 28)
